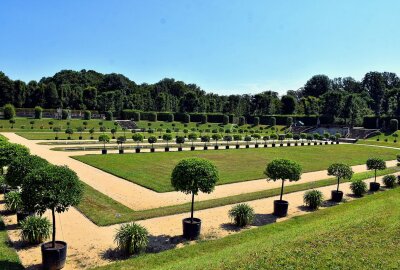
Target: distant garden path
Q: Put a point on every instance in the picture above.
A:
(137, 197)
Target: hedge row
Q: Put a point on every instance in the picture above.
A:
(284, 119)
(384, 122)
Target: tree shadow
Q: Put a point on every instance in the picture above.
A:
(9, 265)
(230, 227)
(35, 267)
(264, 219)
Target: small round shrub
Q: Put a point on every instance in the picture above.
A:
(313, 199)
(38, 112)
(132, 238)
(35, 229)
(9, 111)
(13, 201)
(242, 214)
(358, 187)
(389, 180)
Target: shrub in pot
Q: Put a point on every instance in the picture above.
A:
(167, 137)
(340, 171)
(242, 214)
(358, 187)
(256, 136)
(237, 138)
(192, 137)
(309, 137)
(152, 140)
(137, 138)
(120, 141)
(227, 139)
(56, 130)
(80, 130)
(132, 238)
(35, 229)
(375, 164)
(265, 139)
(303, 136)
(216, 137)
(296, 137)
(389, 180)
(313, 199)
(205, 139)
(273, 138)
(54, 188)
(247, 139)
(13, 201)
(288, 136)
(190, 176)
(69, 131)
(180, 140)
(282, 169)
(104, 139)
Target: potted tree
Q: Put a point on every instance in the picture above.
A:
(190, 176)
(56, 130)
(227, 138)
(91, 131)
(205, 139)
(247, 139)
(113, 131)
(303, 136)
(281, 138)
(80, 130)
(137, 138)
(340, 171)
(167, 137)
(216, 137)
(120, 141)
(152, 140)
(310, 137)
(237, 138)
(69, 131)
(296, 138)
(53, 188)
(256, 136)
(192, 137)
(180, 140)
(283, 169)
(375, 164)
(326, 137)
(265, 139)
(273, 138)
(104, 139)
(288, 136)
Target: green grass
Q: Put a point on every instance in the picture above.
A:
(385, 139)
(103, 211)
(153, 170)
(362, 234)
(8, 257)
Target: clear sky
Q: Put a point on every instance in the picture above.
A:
(224, 46)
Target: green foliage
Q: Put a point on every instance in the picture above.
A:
(283, 169)
(35, 229)
(87, 115)
(216, 137)
(340, 171)
(20, 167)
(109, 115)
(376, 164)
(132, 238)
(180, 140)
(242, 121)
(192, 136)
(192, 175)
(13, 201)
(313, 199)
(394, 125)
(256, 121)
(137, 137)
(10, 151)
(389, 180)
(104, 138)
(225, 119)
(272, 121)
(358, 187)
(167, 137)
(205, 138)
(242, 214)
(9, 111)
(152, 139)
(38, 112)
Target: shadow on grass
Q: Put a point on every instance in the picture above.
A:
(264, 219)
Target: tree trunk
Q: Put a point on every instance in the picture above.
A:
(192, 209)
(338, 180)
(54, 228)
(283, 181)
(375, 175)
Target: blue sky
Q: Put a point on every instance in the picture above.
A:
(222, 46)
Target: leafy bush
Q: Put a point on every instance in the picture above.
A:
(20, 167)
(313, 199)
(38, 112)
(13, 201)
(358, 187)
(9, 111)
(242, 214)
(394, 124)
(87, 115)
(35, 229)
(389, 180)
(256, 121)
(132, 238)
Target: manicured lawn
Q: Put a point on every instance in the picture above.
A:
(385, 139)
(362, 234)
(103, 211)
(153, 170)
(8, 257)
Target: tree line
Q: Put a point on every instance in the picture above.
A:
(343, 99)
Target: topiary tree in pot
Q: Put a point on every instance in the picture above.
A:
(265, 139)
(256, 136)
(282, 169)
(288, 136)
(205, 139)
(375, 164)
(227, 139)
(340, 171)
(152, 140)
(216, 137)
(167, 137)
(192, 137)
(120, 141)
(303, 136)
(54, 188)
(237, 138)
(247, 139)
(273, 138)
(180, 140)
(69, 131)
(56, 130)
(137, 138)
(309, 138)
(80, 130)
(190, 176)
(104, 139)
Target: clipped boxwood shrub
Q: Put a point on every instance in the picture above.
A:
(313, 199)
(65, 114)
(38, 112)
(35, 229)
(132, 238)
(20, 167)
(358, 187)
(171, 117)
(109, 115)
(9, 111)
(389, 180)
(242, 214)
(87, 115)
(225, 119)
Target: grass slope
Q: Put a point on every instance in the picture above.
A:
(8, 257)
(152, 170)
(103, 211)
(362, 234)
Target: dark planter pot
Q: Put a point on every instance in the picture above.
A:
(302, 144)
(320, 143)
(152, 150)
(265, 145)
(54, 258)
(137, 150)
(166, 149)
(69, 138)
(226, 146)
(216, 147)
(247, 146)
(310, 143)
(80, 137)
(191, 231)
(281, 145)
(315, 143)
(192, 148)
(205, 147)
(55, 138)
(280, 208)
(91, 137)
(159, 137)
(103, 151)
(337, 196)
(326, 143)
(22, 216)
(256, 146)
(337, 142)
(332, 142)
(295, 144)
(121, 151)
(237, 146)
(179, 149)
(374, 186)
(113, 137)
(288, 144)
(273, 145)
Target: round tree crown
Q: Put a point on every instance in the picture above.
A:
(340, 170)
(284, 169)
(192, 175)
(376, 164)
(20, 167)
